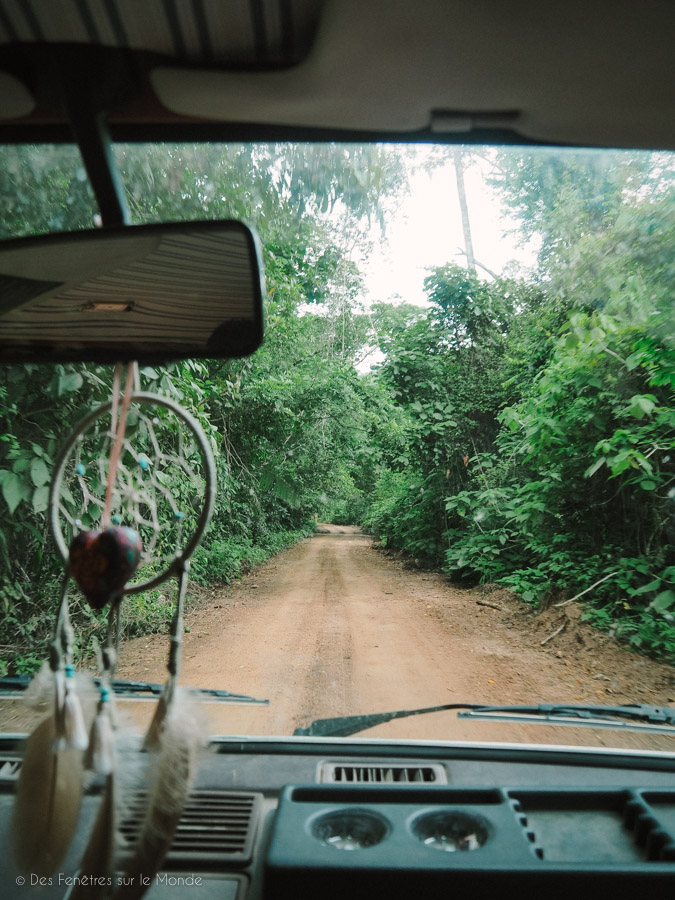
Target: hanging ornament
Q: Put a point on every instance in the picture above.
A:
(123, 463)
(49, 790)
(97, 860)
(47, 803)
(101, 562)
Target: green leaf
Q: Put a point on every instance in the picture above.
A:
(644, 463)
(67, 495)
(12, 491)
(634, 361)
(149, 372)
(647, 485)
(5, 554)
(94, 512)
(40, 499)
(641, 406)
(39, 472)
(594, 468)
(646, 588)
(663, 601)
(70, 382)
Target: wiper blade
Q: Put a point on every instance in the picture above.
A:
(631, 716)
(15, 685)
(638, 717)
(141, 690)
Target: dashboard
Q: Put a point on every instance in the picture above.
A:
(308, 817)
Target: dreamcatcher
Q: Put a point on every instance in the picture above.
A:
(131, 496)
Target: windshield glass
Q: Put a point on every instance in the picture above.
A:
(448, 476)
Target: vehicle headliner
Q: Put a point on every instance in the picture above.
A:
(445, 70)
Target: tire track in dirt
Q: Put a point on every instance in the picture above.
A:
(333, 627)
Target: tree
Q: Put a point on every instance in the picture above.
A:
(464, 208)
(288, 424)
(539, 417)
(598, 216)
(59, 197)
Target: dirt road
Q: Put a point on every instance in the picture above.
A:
(333, 627)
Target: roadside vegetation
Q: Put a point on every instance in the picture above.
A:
(517, 430)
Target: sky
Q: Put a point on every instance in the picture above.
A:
(427, 231)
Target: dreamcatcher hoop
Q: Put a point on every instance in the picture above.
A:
(64, 458)
(104, 457)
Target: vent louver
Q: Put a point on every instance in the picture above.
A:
(216, 827)
(381, 773)
(9, 768)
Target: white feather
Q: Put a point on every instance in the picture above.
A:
(181, 738)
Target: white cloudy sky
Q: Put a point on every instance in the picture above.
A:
(428, 232)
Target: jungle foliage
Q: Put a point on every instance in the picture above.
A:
(517, 430)
(540, 429)
(287, 425)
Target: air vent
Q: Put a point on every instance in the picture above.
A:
(381, 773)
(216, 827)
(9, 768)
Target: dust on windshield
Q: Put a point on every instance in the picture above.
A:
(447, 476)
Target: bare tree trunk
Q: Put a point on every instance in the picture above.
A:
(464, 209)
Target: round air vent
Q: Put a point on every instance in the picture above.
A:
(350, 829)
(451, 831)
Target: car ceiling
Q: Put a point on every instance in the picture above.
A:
(598, 73)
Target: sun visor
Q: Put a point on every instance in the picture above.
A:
(465, 67)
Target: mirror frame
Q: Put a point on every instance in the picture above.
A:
(240, 338)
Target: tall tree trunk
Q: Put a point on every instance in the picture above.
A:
(464, 209)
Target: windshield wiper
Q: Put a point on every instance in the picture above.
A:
(634, 717)
(15, 685)
(345, 725)
(147, 690)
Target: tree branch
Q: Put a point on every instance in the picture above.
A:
(551, 636)
(576, 597)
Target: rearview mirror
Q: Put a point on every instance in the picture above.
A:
(147, 292)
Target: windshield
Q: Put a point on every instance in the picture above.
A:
(448, 476)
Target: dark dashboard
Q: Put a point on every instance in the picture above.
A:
(271, 818)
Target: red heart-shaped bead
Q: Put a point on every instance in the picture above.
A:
(101, 562)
